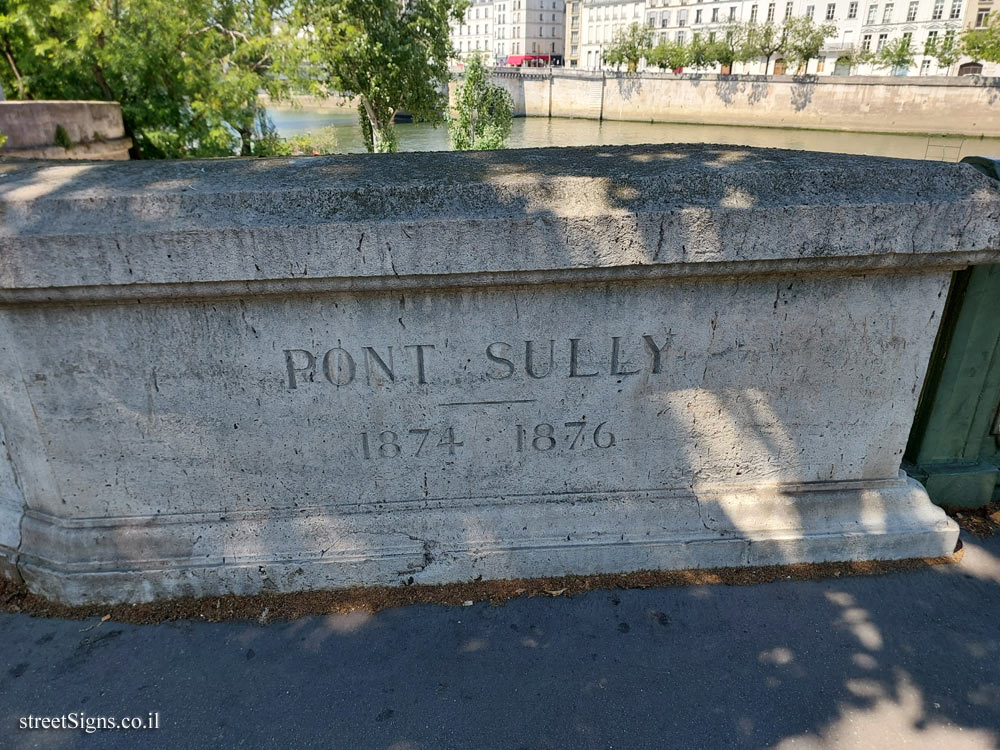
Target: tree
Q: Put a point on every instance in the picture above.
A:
(766, 40)
(805, 39)
(700, 53)
(392, 55)
(629, 46)
(945, 50)
(484, 111)
(983, 44)
(186, 72)
(731, 47)
(857, 57)
(896, 55)
(668, 55)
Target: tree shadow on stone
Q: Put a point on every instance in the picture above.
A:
(802, 91)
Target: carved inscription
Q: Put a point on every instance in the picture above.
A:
(386, 443)
(532, 360)
(543, 436)
(516, 429)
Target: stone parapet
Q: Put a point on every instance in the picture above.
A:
(286, 374)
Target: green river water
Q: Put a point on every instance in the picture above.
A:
(560, 131)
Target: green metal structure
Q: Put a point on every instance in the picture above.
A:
(954, 446)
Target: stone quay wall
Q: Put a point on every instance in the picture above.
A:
(968, 105)
(95, 130)
(246, 375)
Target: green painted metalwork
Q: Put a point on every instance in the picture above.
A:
(954, 446)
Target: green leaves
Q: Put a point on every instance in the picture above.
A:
(629, 46)
(804, 39)
(668, 55)
(947, 50)
(983, 44)
(187, 72)
(484, 111)
(393, 56)
(895, 56)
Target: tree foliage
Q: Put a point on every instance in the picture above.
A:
(732, 45)
(484, 111)
(766, 40)
(946, 50)
(983, 44)
(392, 55)
(186, 72)
(700, 52)
(629, 46)
(799, 39)
(668, 55)
(895, 55)
(804, 39)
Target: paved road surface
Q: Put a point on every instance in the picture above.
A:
(905, 660)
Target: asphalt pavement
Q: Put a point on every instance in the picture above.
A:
(899, 660)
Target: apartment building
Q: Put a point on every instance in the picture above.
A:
(502, 29)
(861, 24)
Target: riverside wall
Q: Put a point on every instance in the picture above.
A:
(969, 105)
(94, 129)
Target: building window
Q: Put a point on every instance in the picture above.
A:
(925, 67)
(680, 37)
(770, 12)
(981, 17)
(911, 12)
(866, 42)
(665, 19)
(882, 38)
(682, 18)
(810, 11)
(938, 10)
(852, 10)
(697, 16)
(872, 10)
(753, 14)
(715, 15)
(820, 64)
(732, 13)
(931, 39)
(956, 9)
(887, 13)
(831, 11)
(788, 9)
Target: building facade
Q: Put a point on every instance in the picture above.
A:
(504, 28)
(861, 25)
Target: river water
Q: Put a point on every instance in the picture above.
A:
(561, 131)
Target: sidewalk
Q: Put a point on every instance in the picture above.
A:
(900, 660)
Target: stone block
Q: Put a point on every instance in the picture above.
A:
(247, 375)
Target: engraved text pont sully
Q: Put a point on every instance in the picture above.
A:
(573, 358)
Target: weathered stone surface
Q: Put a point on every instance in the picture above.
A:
(236, 375)
(95, 130)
